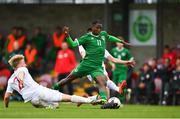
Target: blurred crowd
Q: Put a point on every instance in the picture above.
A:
(158, 80)
(49, 59)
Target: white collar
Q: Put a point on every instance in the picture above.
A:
(93, 34)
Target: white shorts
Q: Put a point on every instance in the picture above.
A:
(45, 96)
(104, 70)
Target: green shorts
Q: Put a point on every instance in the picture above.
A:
(119, 77)
(82, 70)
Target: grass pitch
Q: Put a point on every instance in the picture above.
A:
(69, 110)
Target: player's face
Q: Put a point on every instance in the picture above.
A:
(145, 68)
(178, 62)
(119, 45)
(64, 46)
(22, 63)
(96, 29)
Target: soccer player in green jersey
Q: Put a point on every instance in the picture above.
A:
(94, 43)
(120, 70)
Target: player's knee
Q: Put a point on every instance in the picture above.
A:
(35, 103)
(66, 98)
(102, 82)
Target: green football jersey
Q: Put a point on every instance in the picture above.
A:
(122, 54)
(95, 48)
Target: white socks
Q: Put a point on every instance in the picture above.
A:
(112, 85)
(79, 99)
(93, 97)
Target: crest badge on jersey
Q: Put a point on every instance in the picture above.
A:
(123, 54)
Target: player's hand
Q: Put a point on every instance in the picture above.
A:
(113, 67)
(131, 63)
(126, 43)
(66, 30)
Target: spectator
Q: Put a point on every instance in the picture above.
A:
(4, 75)
(16, 39)
(17, 49)
(1, 45)
(39, 40)
(156, 80)
(65, 63)
(165, 73)
(153, 65)
(58, 37)
(170, 55)
(31, 56)
(176, 83)
(21, 38)
(10, 41)
(145, 85)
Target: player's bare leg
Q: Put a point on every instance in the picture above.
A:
(68, 79)
(102, 89)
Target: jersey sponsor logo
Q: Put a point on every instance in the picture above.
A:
(123, 54)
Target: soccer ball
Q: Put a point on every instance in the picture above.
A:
(115, 100)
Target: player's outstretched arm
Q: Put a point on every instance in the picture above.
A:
(119, 61)
(115, 39)
(71, 42)
(6, 99)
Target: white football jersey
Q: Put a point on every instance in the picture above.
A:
(29, 85)
(107, 54)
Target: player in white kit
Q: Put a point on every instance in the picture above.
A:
(39, 96)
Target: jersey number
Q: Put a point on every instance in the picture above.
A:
(19, 84)
(99, 42)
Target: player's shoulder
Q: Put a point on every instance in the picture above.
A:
(85, 35)
(24, 69)
(104, 33)
(113, 49)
